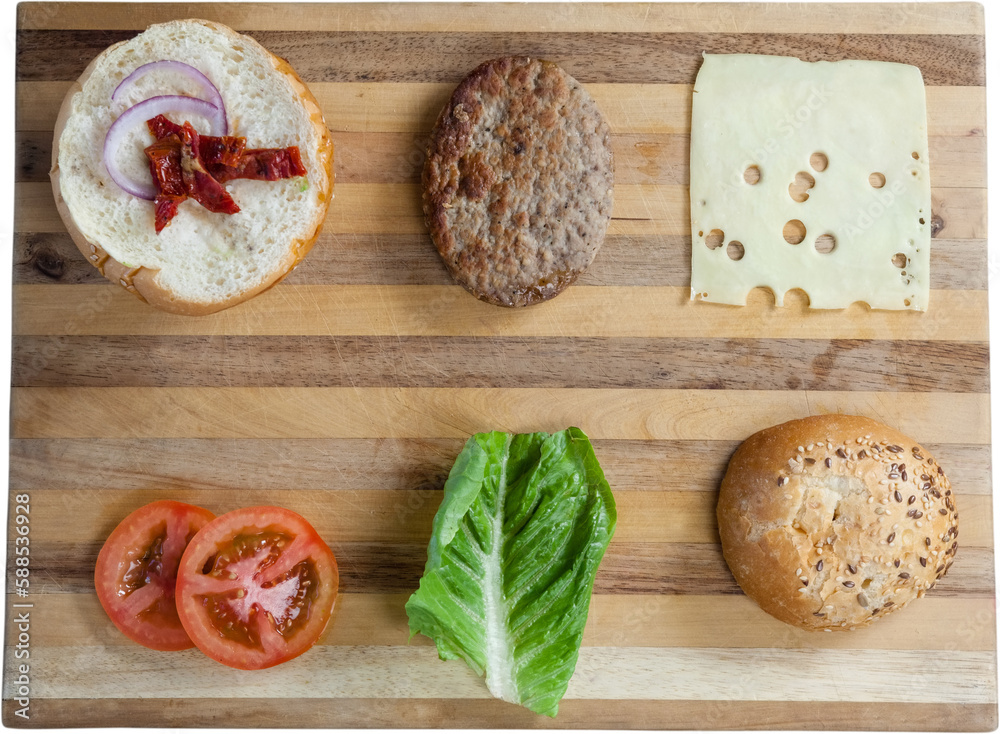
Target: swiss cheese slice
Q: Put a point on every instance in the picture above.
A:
(830, 156)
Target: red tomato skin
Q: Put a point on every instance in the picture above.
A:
(194, 614)
(110, 567)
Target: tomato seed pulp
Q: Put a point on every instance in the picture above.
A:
(256, 587)
(260, 600)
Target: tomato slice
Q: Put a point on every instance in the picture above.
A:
(256, 587)
(137, 569)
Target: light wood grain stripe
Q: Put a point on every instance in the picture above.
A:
(405, 516)
(596, 311)
(459, 412)
(420, 465)
(640, 158)
(639, 209)
(901, 18)
(623, 673)
(366, 713)
(932, 624)
(413, 107)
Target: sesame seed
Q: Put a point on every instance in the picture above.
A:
(904, 575)
(849, 584)
(913, 498)
(895, 449)
(862, 454)
(923, 561)
(898, 497)
(810, 447)
(819, 565)
(896, 563)
(903, 475)
(943, 511)
(841, 453)
(892, 537)
(798, 571)
(827, 462)
(801, 450)
(851, 568)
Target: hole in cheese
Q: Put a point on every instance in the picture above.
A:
(826, 243)
(819, 162)
(797, 189)
(899, 260)
(877, 180)
(715, 239)
(751, 175)
(794, 232)
(735, 250)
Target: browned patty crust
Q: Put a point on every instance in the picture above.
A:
(518, 181)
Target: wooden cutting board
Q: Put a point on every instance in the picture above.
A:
(346, 392)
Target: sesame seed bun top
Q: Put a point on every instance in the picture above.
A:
(833, 521)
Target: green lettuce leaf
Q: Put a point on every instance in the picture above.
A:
(516, 543)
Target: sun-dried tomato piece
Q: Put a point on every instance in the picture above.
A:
(185, 164)
(263, 164)
(198, 182)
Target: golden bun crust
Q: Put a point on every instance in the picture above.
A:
(833, 521)
(141, 281)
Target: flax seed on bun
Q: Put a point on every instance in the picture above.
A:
(833, 521)
(202, 261)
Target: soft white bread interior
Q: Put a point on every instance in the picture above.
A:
(833, 521)
(202, 261)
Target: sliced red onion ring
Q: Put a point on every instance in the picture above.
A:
(209, 91)
(138, 114)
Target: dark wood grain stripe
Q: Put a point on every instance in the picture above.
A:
(411, 259)
(387, 568)
(588, 362)
(416, 465)
(484, 714)
(640, 158)
(951, 60)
